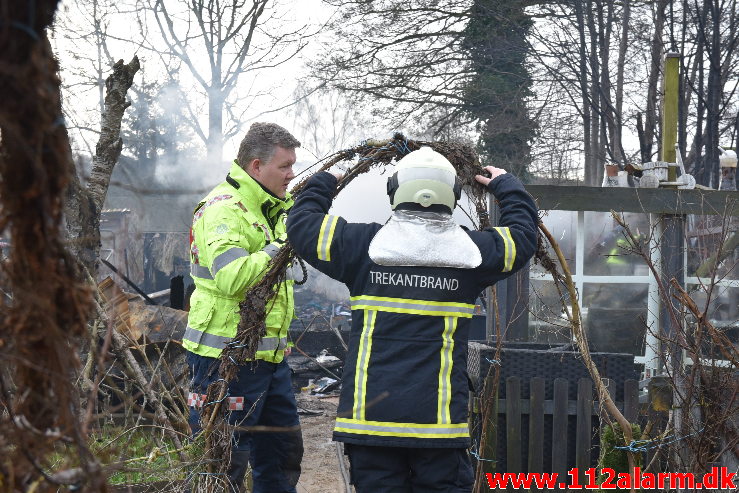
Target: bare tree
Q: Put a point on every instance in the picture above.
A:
(325, 121)
(82, 34)
(576, 43)
(84, 203)
(437, 64)
(233, 38)
(406, 56)
(710, 44)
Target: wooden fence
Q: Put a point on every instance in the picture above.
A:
(551, 421)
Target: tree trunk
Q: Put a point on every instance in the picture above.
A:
(587, 113)
(591, 175)
(83, 206)
(48, 312)
(619, 96)
(650, 118)
(709, 174)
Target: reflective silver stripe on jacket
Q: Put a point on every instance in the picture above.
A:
(226, 258)
(219, 342)
(200, 271)
(272, 343)
(271, 250)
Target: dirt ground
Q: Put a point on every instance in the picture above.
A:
(321, 471)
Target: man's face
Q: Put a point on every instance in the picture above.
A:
(275, 174)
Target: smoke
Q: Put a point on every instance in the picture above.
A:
(326, 287)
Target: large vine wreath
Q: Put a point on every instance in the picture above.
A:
(366, 156)
(371, 154)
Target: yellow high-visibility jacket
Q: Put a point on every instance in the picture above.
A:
(233, 231)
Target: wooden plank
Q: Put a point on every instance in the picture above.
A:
(559, 428)
(513, 424)
(489, 425)
(654, 200)
(582, 436)
(536, 426)
(631, 400)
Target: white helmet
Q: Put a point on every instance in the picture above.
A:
(424, 177)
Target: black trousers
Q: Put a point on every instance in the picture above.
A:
(409, 470)
(268, 431)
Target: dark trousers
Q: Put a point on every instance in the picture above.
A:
(409, 470)
(267, 431)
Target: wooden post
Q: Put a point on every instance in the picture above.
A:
(672, 247)
(513, 424)
(536, 426)
(488, 409)
(559, 427)
(582, 437)
(669, 111)
(631, 400)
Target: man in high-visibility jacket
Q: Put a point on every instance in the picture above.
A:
(413, 282)
(237, 228)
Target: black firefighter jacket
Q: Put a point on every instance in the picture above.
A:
(405, 376)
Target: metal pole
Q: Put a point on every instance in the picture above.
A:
(652, 350)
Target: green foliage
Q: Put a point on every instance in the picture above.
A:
(611, 437)
(496, 95)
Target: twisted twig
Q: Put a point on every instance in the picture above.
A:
(575, 319)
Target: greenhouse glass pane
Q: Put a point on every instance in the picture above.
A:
(563, 226)
(705, 235)
(547, 322)
(607, 248)
(614, 316)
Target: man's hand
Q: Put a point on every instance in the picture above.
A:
(272, 248)
(338, 174)
(494, 173)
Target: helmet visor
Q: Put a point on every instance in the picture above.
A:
(436, 174)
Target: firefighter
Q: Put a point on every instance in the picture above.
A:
(618, 260)
(237, 228)
(403, 407)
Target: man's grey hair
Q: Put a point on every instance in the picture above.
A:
(260, 142)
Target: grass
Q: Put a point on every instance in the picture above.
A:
(138, 455)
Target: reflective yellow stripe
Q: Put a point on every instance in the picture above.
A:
(413, 430)
(325, 237)
(510, 248)
(413, 307)
(363, 356)
(445, 371)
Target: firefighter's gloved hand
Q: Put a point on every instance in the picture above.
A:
(272, 248)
